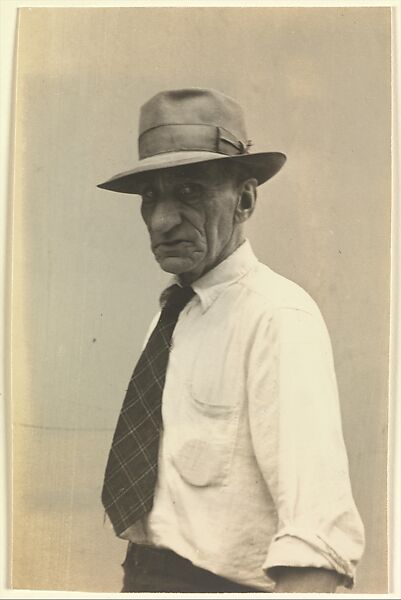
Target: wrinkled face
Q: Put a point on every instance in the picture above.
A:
(190, 215)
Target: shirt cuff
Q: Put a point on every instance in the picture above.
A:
(294, 548)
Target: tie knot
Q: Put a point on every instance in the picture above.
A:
(176, 297)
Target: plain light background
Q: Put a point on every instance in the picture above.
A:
(315, 84)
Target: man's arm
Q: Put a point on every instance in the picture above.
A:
(297, 437)
(304, 580)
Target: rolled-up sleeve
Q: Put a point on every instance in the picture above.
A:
(297, 437)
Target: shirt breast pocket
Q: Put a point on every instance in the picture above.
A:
(203, 453)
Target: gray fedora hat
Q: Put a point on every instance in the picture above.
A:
(188, 126)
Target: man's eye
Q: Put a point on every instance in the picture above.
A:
(148, 194)
(189, 191)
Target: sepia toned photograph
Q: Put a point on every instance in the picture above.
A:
(200, 300)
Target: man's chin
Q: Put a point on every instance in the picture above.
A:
(176, 266)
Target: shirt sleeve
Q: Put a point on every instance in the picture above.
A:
(298, 442)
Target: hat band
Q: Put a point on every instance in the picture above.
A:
(189, 137)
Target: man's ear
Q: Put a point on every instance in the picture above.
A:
(246, 200)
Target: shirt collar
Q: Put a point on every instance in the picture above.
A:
(234, 267)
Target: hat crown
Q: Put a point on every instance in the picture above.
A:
(193, 106)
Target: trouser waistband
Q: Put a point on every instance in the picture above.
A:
(156, 559)
(143, 555)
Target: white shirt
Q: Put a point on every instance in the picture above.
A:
(253, 470)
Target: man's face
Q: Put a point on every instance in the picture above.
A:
(190, 215)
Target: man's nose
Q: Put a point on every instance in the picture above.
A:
(165, 216)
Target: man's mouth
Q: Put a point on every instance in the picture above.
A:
(171, 245)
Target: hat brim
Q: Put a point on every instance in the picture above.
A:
(262, 166)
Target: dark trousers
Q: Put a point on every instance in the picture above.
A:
(150, 569)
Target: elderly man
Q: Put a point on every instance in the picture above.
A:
(228, 470)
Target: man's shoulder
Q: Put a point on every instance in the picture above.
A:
(271, 291)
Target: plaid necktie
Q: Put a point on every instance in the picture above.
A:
(131, 470)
